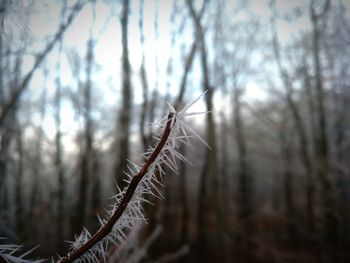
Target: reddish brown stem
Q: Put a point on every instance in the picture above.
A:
(107, 228)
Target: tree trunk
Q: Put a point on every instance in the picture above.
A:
(125, 112)
(144, 82)
(245, 183)
(321, 140)
(59, 162)
(4, 140)
(19, 171)
(184, 230)
(87, 160)
(18, 185)
(209, 208)
(300, 127)
(288, 184)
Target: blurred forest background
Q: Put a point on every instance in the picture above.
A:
(80, 82)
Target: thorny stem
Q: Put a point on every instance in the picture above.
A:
(107, 228)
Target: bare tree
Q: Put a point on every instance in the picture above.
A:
(90, 158)
(9, 132)
(87, 158)
(38, 61)
(19, 173)
(321, 140)
(304, 144)
(245, 205)
(10, 102)
(59, 154)
(209, 234)
(337, 59)
(125, 111)
(144, 81)
(288, 179)
(184, 232)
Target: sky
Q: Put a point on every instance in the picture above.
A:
(44, 16)
(39, 20)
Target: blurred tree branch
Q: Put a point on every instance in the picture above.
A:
(38, 61)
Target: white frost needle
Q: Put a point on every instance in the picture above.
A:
(194, 133)
(8, 254)
(191, 103)
(196, 113)
(171, 107)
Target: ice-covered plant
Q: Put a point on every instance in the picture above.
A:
(127, 211)
(9, 253)
(143, 179)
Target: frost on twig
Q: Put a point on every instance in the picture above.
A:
(127, 210)
(9, 253)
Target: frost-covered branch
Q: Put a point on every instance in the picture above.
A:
(8, 253)
(127, 210)
(107, 228)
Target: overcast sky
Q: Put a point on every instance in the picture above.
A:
(40, 19)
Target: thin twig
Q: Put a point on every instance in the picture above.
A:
(107, 228)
